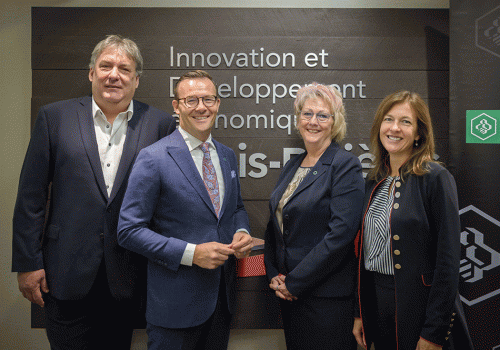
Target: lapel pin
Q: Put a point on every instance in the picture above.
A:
(315, 172)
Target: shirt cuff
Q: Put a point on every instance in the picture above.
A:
(243, 230)
(187, 257)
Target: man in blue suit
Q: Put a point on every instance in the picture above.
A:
(183, 210)
(71, 189)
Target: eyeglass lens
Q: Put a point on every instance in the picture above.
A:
(192, 101)
(322, 117)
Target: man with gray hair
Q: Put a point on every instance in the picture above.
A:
(70, 192)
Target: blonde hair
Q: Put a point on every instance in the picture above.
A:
(333, 99)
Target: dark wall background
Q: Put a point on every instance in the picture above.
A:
(474, 73)
(377, 51)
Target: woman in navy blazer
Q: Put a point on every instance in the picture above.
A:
(315, 211)
(410, 237)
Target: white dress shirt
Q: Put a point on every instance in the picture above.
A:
(110, 140)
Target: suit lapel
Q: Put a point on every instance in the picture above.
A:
(283, 184)
(179, 152)
(134, 132)
(227, 175)
(317, 170)
(87, 131)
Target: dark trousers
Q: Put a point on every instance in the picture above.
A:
(318, 323)
(98, 321)
(384, 321)
(385, 318)
(211, 335)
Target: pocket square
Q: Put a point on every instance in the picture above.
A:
(233, 174)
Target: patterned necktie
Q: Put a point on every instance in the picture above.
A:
(210, 178)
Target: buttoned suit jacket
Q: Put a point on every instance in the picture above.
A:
(81, 218)
(167, 206)
(425, 246)
(320, 221)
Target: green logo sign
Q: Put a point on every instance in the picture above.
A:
(482, 127)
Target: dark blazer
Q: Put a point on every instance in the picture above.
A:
(320, 221)
(167, 206)
(82, 219)
(425, 244)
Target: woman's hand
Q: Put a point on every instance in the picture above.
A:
(278, 285)
(357, 330)
(275, 282)
(425, 345)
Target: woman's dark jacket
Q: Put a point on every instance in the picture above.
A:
(320, 222)
(425, 245)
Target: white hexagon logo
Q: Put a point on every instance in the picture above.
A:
(488, 32)
(483, 126)
(481, 262)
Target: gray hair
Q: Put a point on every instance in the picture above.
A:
(125, 45)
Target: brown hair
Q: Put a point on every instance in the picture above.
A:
(423, 150)
(196, 74)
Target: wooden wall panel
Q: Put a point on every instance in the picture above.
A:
(284, 53)
(375, 83)
(359, 116)
(376, 51)
(51, 25)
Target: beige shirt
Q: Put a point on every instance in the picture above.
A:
(300, 174)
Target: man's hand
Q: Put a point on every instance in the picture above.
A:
(242, 244)
(211, 255)
(32, 284)
(357, 330)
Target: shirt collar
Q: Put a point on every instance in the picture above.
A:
(192, 142)
(96, 108)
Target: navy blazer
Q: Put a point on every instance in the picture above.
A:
(425, 244)
(315, 250)
(82, 218)
(167, 206)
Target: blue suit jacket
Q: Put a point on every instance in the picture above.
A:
(82, 219)
(167, 206)
(320, 221)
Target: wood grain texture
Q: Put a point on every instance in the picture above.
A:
(368, 53)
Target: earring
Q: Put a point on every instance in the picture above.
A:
(415, 144)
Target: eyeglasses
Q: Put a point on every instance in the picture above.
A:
(321, 117)
(193, 101)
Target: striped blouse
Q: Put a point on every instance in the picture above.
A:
(376, 238)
